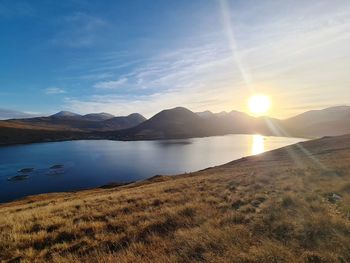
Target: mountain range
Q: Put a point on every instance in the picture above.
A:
(65, 120)
(317, 123)
(171, 123)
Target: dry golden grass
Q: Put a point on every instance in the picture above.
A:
(267, 208)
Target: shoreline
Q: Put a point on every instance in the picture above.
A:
(285, 204)
(155, 139)
(115, 184)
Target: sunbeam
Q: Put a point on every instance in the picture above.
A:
(229, 30)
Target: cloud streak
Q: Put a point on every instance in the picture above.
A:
(284, 57)
(116, 84)
(78, 30)
(16, 9)
(54, 90)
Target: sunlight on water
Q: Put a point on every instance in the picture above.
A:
(258, 144)
(94, 163)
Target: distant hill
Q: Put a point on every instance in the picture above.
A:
(98, 116)
(7, 114)
(330, 121)
(88, 117)
(172, 123)
(337, 113)
(182, 123)
(123, 122)
(233, 122)
(65, 120)
(205, 114)
(65, 114)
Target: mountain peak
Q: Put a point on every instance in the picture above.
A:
(175, 113)
(205, 114)
(65, 114)
(137, 116)
(178, 109)
(338, 108)
(98, 116)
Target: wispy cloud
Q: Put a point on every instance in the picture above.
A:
(16, 9)
(146, 104)
(111, 84)
(54, 90)
(284, 56)
(193, 77)
(78, 30)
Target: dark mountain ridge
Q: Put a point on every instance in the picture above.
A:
(98, 116)
(182, 123)
(172, 123)
(331, 121)
(65, 114)
(65, 120)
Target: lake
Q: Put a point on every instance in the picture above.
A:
(92, 163)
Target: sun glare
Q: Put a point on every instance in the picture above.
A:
(259, 104)
(258, 145)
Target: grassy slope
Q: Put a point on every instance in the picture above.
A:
(267, 208)
(17, 135)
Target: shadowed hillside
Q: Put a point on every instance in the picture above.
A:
(172, 123)
(18, 134)
(331, 121)
(66, 120)
(287, 205)
(182, 123)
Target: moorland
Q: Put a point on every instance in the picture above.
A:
(287, 205)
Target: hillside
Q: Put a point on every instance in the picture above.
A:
(124, 122)
(182, 123)
(172, 123)
(18, 134)
(331, 121)
(66, 120)
(338, 113)
(287, 205)
(98, 116)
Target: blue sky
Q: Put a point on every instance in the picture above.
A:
(144, 56)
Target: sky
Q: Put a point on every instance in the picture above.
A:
(144, 56)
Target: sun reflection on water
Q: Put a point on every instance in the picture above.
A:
(258, 144)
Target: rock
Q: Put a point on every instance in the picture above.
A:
(18, 177)
(55, 171)
(255, 203)
(57, 166)
(333, 197)
(236, 204)
(336, 197)
(26, 170)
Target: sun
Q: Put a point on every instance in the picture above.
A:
(259, 104)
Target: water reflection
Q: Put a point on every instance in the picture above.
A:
(95, 163)
(174, 142)
(258, 145)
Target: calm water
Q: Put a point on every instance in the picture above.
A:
(95, 163)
